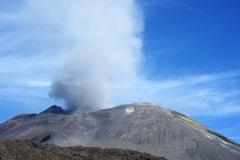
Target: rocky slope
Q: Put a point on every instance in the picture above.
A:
(26, 149)
(143, 127)
(15, 121)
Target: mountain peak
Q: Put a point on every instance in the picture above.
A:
(54, 110)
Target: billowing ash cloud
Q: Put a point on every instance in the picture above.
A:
(104, 48)
(79, 92)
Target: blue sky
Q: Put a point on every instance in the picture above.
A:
(182, 55)
(189, 39)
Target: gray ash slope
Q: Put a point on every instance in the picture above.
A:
(15, 121)
(143, 127)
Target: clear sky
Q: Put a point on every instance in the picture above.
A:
(180, 54)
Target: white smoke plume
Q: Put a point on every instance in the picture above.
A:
(105, 49)
(95, 48)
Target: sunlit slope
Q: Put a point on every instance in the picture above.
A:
(200, 127)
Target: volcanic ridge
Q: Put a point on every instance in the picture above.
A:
(143, 127)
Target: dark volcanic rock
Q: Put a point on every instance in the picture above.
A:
(29, 150)
(54, 110)
(143, 127)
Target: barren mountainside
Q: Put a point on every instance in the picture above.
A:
(15, 121)
(143, 127)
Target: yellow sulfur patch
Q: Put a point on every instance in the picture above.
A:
(185, 118)
(129, 110)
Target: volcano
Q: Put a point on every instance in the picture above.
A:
(143, 127)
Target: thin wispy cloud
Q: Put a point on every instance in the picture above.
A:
(195, 95)
(19, 70)
(187, 7)
(171, 3)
